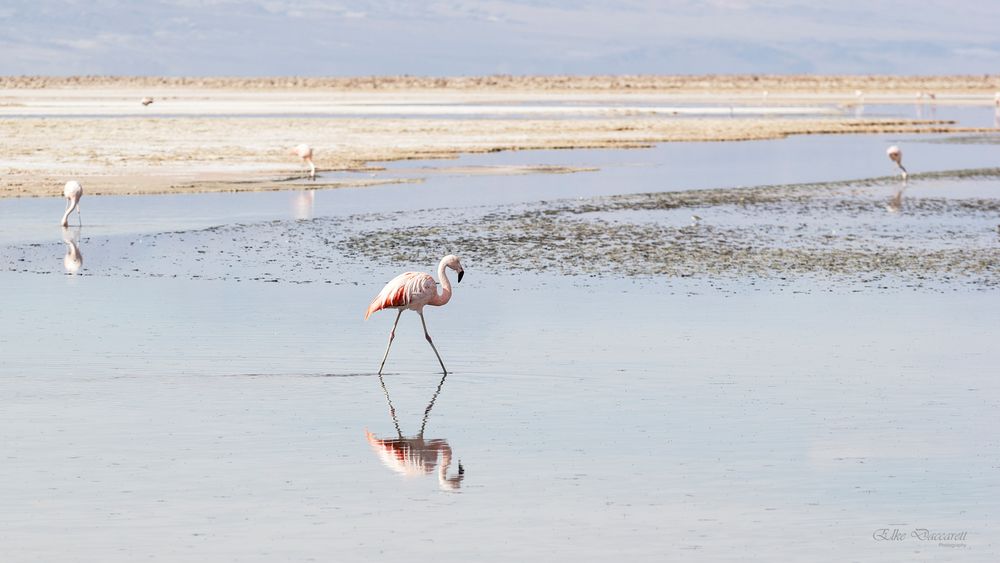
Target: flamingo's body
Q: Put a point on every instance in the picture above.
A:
(73, 191)
(896, 156)
(305, 152)
(414, 291)
(146, 101)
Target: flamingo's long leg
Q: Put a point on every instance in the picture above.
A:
(392, 334)
(431, 342)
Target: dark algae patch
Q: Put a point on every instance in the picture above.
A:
(940, 230)
(840, 230)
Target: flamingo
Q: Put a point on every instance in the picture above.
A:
(305, 152)
(414, 290)
(896, 156)
(72, 192)
(146, 101)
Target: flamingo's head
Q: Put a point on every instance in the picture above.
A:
(452, 262)
(894, 153)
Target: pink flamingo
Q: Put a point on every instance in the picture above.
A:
(72, 192)
(896, 156)
(414, 290)
(146, 101)
(305, 152)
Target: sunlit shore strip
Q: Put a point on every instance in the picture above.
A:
(193, 155)
(148, 135)
(183, 109)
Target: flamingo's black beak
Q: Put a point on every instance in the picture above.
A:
(460, 274)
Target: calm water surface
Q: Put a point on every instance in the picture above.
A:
(646, 419)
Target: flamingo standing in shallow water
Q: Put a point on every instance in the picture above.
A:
(414, 290)
(896, 156)
(72, 192)
(305, 152)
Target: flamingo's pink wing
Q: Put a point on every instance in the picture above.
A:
(404, 289)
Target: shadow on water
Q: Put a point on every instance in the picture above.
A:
(416, 455)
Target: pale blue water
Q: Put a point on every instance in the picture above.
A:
(654, 419)
(666, 167)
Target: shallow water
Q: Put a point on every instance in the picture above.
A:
(969, 115)
(665, 167)
(648, 418)
(172, 419)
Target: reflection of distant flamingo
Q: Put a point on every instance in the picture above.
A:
(414, 290)
(896, 156)
(895, 204)
(305, 152)
(73, 191)
(73, 260)
(303, 203)
(416, 456)
(859, 107)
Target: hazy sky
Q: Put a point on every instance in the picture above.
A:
(462, 37)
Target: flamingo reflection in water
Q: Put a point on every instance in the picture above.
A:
(302, 204)
(416, 455)
(73, 261)
(895, 204)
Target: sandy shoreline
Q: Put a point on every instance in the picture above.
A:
(203, 135)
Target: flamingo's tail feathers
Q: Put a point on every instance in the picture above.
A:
(372, 308)
(390, 296)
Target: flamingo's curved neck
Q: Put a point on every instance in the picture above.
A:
(70, 206)
(445, 295)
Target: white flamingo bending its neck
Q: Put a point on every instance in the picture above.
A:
(305, 152)
(72, 192)
(414, 290)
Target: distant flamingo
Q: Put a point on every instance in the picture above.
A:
(72, 192)
(305, 152)
(73, 260)
(896, 156)
(146, 101)
(414, 290)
